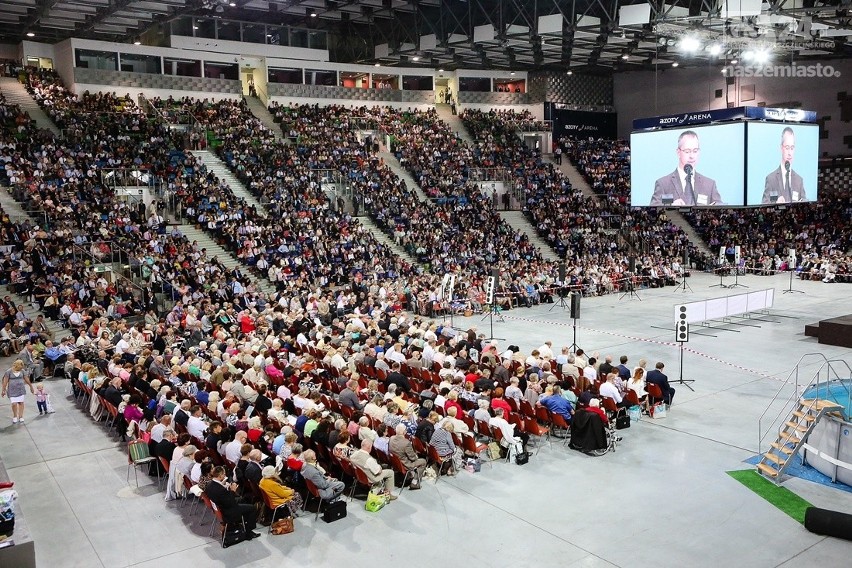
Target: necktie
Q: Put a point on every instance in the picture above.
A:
(690, 192)
(787, 183)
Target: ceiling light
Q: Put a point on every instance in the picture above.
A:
(734, 61)
(570, 72)
(625, 56)
(415, 58)
(440, 70)
(675, 64)
(195, 27)
(715, 49)
(377, 65)
(313, 14)
(762, 56)
(690, 44)
(748, 55)
(232, 4)
(137, 42)
(724, 71)
(512, 73)
(30, 34)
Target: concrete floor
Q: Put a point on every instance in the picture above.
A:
(663, 499)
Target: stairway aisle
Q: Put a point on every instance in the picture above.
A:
(574, 176)
(17, 94)
(260, 112)
(678, 219)
(454, 122)
(385, 239)
(12, 208)
(214, 249)
(519, 222)
(403, 174)
(218, 167)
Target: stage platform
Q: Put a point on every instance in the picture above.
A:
(834, 331)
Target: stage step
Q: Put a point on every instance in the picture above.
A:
(793, 435)
(767, 470)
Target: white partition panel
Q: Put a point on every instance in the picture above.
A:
(726, 306)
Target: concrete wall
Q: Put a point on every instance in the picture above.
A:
(9, 51)
(645, 93)
(247, 48)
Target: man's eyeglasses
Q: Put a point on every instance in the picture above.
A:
(788, 148)
(688, 150)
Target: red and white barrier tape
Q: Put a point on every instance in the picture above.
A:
(762, 374)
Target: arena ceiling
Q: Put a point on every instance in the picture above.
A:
(509, 34)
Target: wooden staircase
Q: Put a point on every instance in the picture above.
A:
(794, 433)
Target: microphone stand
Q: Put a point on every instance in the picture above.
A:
(790, 289)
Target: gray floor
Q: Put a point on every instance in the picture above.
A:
(663, 499)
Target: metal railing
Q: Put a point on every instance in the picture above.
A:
(537, 126)
(115, 257)
(817, 381)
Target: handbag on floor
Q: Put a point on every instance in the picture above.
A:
(635, 413)
(334, 511)
(376, 501)
(283, 526)
(622, 421)
(658, 411)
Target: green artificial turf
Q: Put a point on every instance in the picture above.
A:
(781, 497)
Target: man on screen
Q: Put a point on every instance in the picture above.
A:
(685, 186)
(784, 185)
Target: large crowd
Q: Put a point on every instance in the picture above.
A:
(340, 374)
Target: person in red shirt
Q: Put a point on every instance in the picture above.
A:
(497, 401)
(595, 406)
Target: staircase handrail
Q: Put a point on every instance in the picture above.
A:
(798, 391)
(85, 253)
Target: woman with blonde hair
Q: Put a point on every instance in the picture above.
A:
(15, 383)
(279, 494)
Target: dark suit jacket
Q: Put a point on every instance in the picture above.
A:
(226, 501)
(669, 186)
(658, 378)
(775, 185)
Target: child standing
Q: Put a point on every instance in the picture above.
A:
(41, 399)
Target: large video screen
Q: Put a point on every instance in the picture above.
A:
(782, 163)
(701, 166)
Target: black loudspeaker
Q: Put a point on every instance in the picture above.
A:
(829, 523)
(575, 305)
(685, 257)
(562, 273)
(631, 264)
(681, 326)
(495, 273)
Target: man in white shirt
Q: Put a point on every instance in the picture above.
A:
(609, 390)
(157, 431)
(195, 425)
(510, 433)
(233, 448)
(546, 350)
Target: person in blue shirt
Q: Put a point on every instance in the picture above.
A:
(558, 404)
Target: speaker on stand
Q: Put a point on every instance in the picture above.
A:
(561, 289)
(682, 336)
(492, 283)
(629, 287)
(791, 267)
(575, 315)
(684, 285)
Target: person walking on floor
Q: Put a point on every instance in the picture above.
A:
(15, 383)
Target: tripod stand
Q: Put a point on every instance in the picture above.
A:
(790, 289)
(736, 283)
(630, 290)
(684, 285)
(493, 307)
(721, 283)
(681, 380)
(561, 301)
(574, 345)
